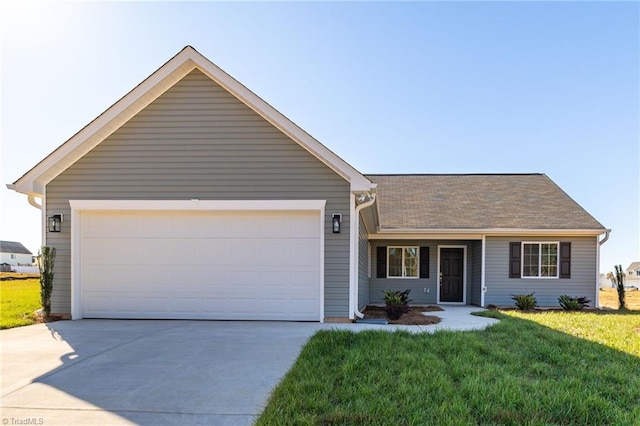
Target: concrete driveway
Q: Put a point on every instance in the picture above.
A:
(160, 372)
(148, 372)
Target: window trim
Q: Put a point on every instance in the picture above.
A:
(538, 277)
(403, 269)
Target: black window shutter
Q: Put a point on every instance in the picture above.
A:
(514, 260)
(424, 262)
(565, 260)
(381, 262)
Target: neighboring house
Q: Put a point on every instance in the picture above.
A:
(605, 283)
(15, 254)
(278, 226)
(633, 275)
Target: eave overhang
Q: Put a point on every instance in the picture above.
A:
(477, 234)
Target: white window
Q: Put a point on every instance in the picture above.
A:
(402, 262)
(540, 260)
(638, 273)
(13, 256)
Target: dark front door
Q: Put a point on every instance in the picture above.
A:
(451, 275)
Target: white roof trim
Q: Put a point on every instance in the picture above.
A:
(476, 233)
(198, 205)
(188, 59)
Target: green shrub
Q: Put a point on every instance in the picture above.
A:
(618, 279)
(46, 260)
(573, 303)
(396, 303)
(525, 302)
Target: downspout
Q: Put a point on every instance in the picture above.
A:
(600, 243)
(356, 249)
(483, 265)
(33, 202)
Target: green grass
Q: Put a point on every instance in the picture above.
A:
(530, 369)
(18, 301)
(619, 331)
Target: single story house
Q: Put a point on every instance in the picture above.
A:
(633, 275)
(277, 226)
(15, 254)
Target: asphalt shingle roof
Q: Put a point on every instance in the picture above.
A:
(13, 247)
(477, 201)
(633, 266)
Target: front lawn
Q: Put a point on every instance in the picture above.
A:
(609, 299)
(533, 369)
(18, 301)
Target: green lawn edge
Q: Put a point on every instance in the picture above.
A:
(517, 372)
(19, 299)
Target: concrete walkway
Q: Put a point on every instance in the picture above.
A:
(159, 372)
(454, 318)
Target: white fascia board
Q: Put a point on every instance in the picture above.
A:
(425, 236)
(477, 233)
(195, 205)
(34, 181)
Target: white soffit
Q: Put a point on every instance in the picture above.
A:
(476, 234)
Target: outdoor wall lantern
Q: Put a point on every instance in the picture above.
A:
(336, 219)
(55, 222)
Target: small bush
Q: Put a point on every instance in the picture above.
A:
(396, 303)
(46, 260)
(525, 302)
(573, 303)
(618, 280)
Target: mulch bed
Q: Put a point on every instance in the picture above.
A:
(41, 318)
(415, 315)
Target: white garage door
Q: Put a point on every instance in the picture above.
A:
(200, 265)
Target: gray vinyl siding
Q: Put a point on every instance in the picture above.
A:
(476, 273)
(500, 287)
(198, 141)
(363, 266)
(418, 286)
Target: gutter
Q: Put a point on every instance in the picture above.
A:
(33, 202)
(356, 247)
(492, 231)
(30, 197)
(606, 237)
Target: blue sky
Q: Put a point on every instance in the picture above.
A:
(428, 87)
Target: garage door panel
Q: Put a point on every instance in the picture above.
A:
(304, 280)
(303, 252)
(104, 251)
(184, 305)
(275, 280)
(304, 227)
(97, 304)
(99, 225)
(131, 305)
(201, 265)
(300, 306)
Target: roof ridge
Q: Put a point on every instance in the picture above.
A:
(454, 174)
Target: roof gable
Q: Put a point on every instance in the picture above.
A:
(634, 266)
(13, 247)
(188, 59)
(477, 202)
